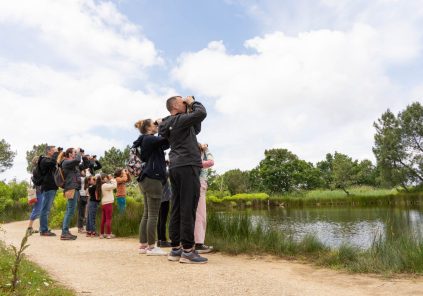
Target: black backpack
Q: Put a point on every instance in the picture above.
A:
(37, 175)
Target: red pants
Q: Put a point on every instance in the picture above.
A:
(106, 218)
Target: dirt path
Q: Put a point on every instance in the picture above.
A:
(113, 267)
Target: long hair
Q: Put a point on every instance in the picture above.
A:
(98, 183)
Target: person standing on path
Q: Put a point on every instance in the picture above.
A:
(181, 129)
(201, 216)
(82, 202)
(48, 188)
(163, 213)
(151, 181)
(104, 190)
(122, 177)
(72, 175)
(36, 208)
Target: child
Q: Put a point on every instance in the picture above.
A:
(90, 182)
(104, 190)
(122, 177)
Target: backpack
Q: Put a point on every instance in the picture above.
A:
(59, 176)
(37, 175)
(135, 164)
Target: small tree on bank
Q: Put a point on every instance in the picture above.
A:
(6, 156)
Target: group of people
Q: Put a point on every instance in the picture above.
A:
(180, 182)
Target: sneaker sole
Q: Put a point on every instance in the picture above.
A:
(187, 261)
(173, 258)
(153, 254)
(204, 251)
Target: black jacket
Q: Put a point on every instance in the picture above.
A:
(91, 165)
(72, 174)
(152, 153)
(181, 130)
(48, 167)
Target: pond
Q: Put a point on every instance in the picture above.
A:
(356, 226)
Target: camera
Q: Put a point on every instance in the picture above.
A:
(59, 149)
(81, 150)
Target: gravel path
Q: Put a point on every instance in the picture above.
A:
(113, 267)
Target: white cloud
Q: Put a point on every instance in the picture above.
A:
(86, 54)
(312, 92)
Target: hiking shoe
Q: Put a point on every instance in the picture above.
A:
(203, 249)
(192, 258)
(31, 230)
(47, 233)
(164, 244)
(174, 254)
(68, 236)
(156, 251)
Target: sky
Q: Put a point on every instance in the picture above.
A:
(310, 76)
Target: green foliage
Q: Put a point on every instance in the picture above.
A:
(236, 181)
(113, 159)
(13, 200)
(343, 172)
(399, 146)
(326, 170)
(37, 150)
(6, 156)
(282, 171)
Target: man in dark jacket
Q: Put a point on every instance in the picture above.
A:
(48, 188)
(181, 128)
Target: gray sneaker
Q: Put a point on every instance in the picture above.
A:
(203, 249)
(192, 258)
(174, 255)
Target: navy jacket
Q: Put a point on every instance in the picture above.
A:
(152, 153)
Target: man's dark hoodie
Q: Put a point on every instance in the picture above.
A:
(152, 153)
(48, 167)
(181, 130)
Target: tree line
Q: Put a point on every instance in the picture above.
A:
(398, 149)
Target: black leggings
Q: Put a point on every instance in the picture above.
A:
(161, 223)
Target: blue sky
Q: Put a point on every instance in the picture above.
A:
(309, 76)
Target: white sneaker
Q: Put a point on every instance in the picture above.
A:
(156, 251)
(142, 250)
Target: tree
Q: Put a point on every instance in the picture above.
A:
(113, 159)
(366, 173)
(37, 150)
(282, 171)
(326, 170)
(6, 156)
(236, 181)
(399, 146)
(344, 173)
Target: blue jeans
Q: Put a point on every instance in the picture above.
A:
(45, 209)
(36, 208)
(92, 213)
(70, 210)
(121, 203)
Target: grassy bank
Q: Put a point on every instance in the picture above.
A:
(238, 233)
(33, 279)
(359, 196)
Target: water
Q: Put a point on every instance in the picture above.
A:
(356, 226)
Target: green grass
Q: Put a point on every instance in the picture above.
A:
(238, 233)
(33, 279)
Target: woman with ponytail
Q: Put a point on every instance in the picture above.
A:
(151, 181)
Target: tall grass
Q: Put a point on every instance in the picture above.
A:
(239, 233)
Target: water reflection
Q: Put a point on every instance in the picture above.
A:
(336, 226)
